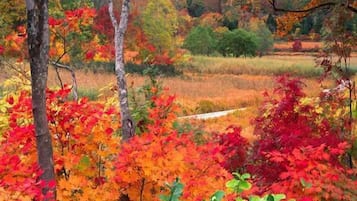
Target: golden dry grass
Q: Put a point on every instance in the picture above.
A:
(223, 89)
(227, 91)
(305, 45)
(239, 118)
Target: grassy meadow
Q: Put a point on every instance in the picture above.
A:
(213, 84)
(300, 65)
(225, 82)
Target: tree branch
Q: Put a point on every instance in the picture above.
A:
(307, 10)
(142, 189)
(56, 68)
(74, 80)
(16, 69)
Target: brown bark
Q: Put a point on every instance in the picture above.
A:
(38, 45)
(128, 127)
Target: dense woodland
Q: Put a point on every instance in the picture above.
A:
(130, 145)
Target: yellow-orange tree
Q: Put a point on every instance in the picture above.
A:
(83, 142)
(92, 164)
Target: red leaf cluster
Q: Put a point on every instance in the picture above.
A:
(297, 134)
(309, 174)
(103, 24)
(54, 22)
(233, 147)
(1, 50)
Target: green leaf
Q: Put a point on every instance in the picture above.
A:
(236, 175)
(354, 114)
(270, 198)
(217, 196)
(176, 190)
(84, 163)
(232, 184)
(245, 176)
(255, 198)
(278, 197)
(164, 198)
(305, 184)
(244, 185)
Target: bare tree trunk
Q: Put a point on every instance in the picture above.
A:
(127, 123)
(38, 45)
(220, 9)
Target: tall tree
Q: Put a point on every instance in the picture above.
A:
(160, 24)
(128, 127)
(38, 46)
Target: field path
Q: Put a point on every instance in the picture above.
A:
(212, 114)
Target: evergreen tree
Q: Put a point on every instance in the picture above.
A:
(271, 23)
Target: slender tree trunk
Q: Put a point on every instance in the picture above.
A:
(38, 45)
(220, 9)
(127, 123)
(128, 129)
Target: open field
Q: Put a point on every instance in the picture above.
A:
(224, 91)
(211, 83)
(214, 84)
(303, 66)
(306, 45)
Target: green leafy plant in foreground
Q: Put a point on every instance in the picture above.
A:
(217, 196)
(176, 190)
(237, 185)
(240, 183)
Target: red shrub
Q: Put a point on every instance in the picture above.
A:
(233, 148)
(297, 45)
(293, 122)
(309, 174)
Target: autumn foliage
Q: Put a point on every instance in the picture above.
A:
(310, 175)
(83, 136)
(301, 142)
(85, 35)
(91, 163)
(298, 151)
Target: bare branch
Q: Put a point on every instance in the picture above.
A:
(74, 80)
(308, 10)
(14, 68)
(57, 72)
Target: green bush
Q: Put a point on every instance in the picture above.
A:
(195, 8)
(238, 43)
(200, 40)
(155, 70)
